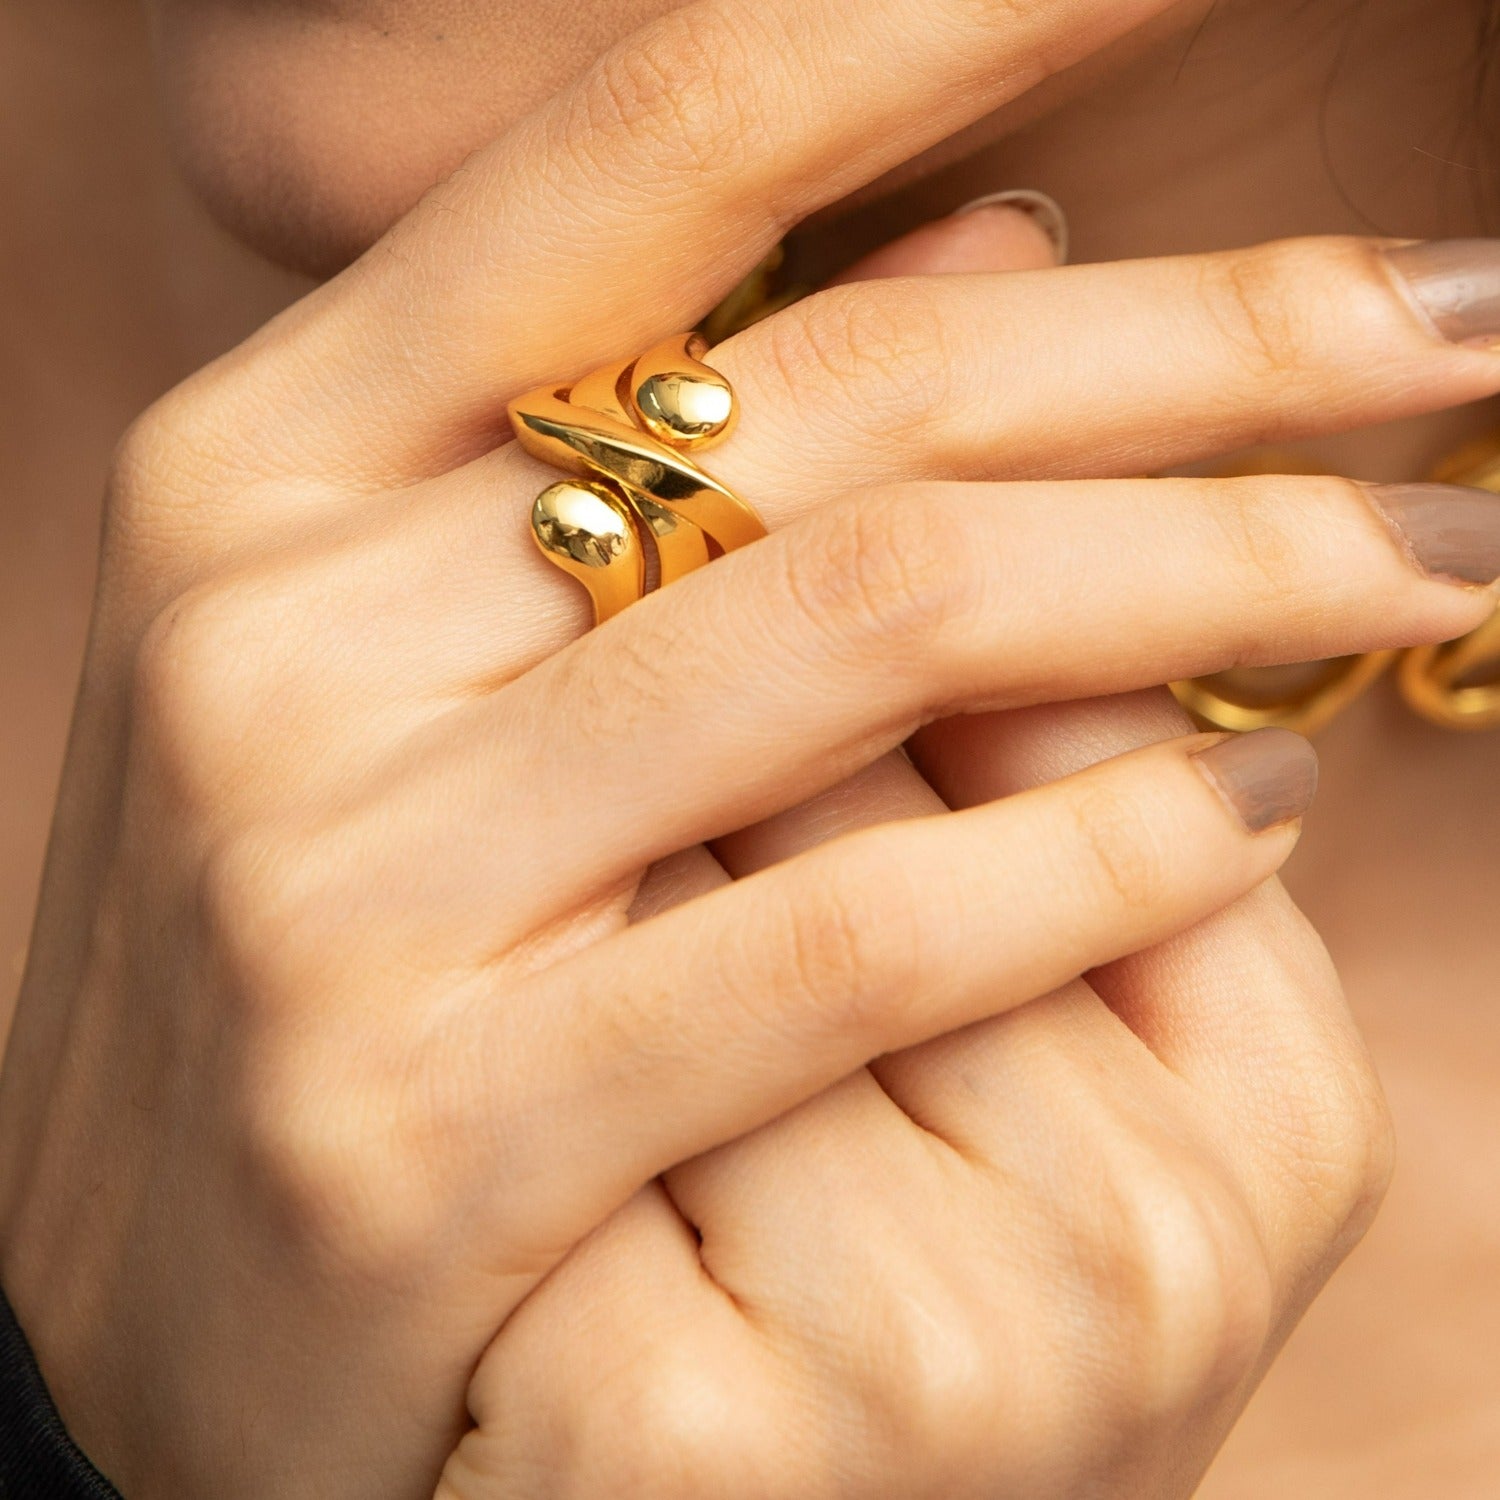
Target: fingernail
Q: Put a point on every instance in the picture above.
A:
(1456, 283)
(1269, 776)
(1449, 531)
(1046, 211)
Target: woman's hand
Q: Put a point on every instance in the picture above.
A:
(838, 1244)
(335, 1040)
(1050, 1255)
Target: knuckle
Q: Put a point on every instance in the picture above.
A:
(926, 1370)
(665, 105)
(1343, 1143)
(618, 686)
(871, 356)
(352, 1145)
(1176, 1258)
(690, 1433)
(174, 463)
(987, 13)
(1348, 1177)
(267, 903)
(1330, 1141)
(1266, 329)
(143, 457)
(1253, 531)
(878, 572)
(852, 942)
(980, 18)
(1124, 850)
(148, 472)
(327, 1156)
(189, 696)
(157, 452)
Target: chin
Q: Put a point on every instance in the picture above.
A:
(308, 129)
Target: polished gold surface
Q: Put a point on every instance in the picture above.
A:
(1456, 685)
(1226, 701)
(679, 399)
(625, 432)
(600, 392)
(681, 547)
(588, 531)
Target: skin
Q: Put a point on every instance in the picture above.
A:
(417, 88)
(1419, 950)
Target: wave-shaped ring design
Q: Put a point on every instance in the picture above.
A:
(624, 434)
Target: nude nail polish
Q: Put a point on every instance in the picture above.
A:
(1456, 284)
(1449, 531)
(1268, 777)
(1045, 210)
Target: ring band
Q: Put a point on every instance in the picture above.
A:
(623, 434)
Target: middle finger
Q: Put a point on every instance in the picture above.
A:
(1099, 370)
(1001, 376)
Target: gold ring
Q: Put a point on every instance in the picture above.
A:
(624, 434)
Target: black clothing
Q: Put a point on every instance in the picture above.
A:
(38, 1460)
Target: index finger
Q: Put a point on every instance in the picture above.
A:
(633, 200)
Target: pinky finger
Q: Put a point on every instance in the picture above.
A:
(701, 1024)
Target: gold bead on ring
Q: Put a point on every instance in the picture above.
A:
(624, 434)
